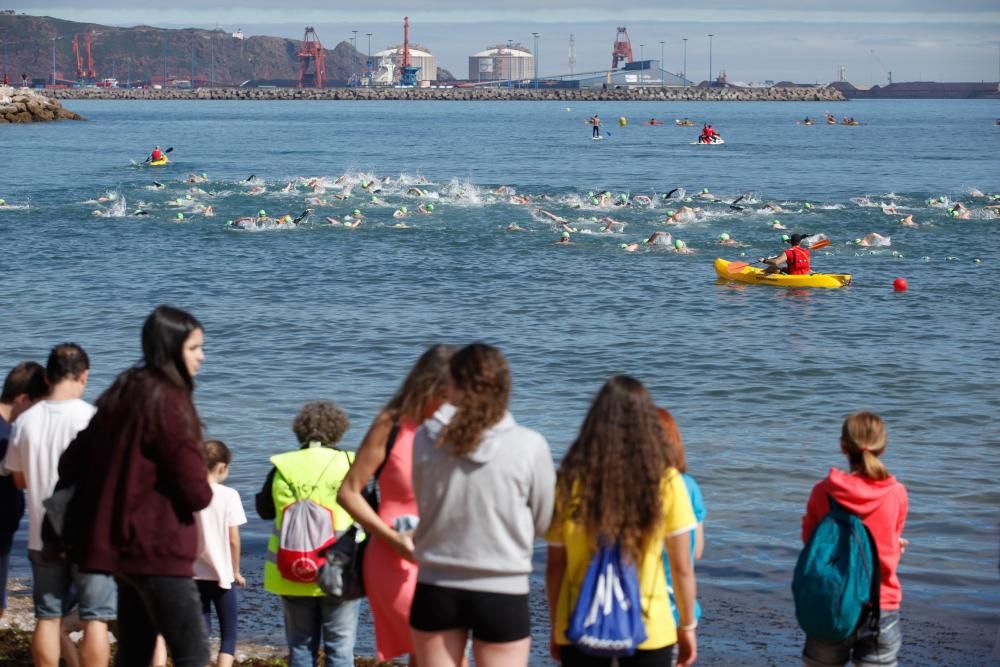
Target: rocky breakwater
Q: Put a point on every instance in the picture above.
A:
(692, 94)
(23, 105)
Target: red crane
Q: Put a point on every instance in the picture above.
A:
(88, 74)
(622, 50)
(312, 53)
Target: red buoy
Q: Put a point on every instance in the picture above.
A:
(899, 284)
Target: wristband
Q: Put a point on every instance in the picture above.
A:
(690, 626)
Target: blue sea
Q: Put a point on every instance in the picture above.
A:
(759, 378)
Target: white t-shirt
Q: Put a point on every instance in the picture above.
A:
(37, 440)
(215, 560)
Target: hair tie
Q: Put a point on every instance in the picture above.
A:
(865, 449)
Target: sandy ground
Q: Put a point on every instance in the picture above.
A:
(739, 628)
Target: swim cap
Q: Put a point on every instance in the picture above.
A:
(590, 194)
(704, 191)
(670, 212)
(204, 175)
(776, 222)
(622, 245)
(374, 200)
(954, 213)
(355, 212)
(180, 216)
(430, 207)
(857, 241)
(623, 197)
(678, 244)
(940, 198)
(262, 213)
(723, 236)
(808, 205)
(187, 196)
(785, 238)
(593, 200)
(403, 209)
(565, 235)
(2, 202)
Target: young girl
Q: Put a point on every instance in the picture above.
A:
(218, 564)
(676, 446)
(869, 491)
(619, 484)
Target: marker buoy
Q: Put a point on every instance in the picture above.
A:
(623, 121)
(899, 284)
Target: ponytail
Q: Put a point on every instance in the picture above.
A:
(863, 439)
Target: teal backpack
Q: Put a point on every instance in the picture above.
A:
(836, 582)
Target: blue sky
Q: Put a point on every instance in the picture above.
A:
(957, 40)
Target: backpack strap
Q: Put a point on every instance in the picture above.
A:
(389, 444)
(315, 484)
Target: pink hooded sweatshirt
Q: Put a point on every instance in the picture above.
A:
(881, 505)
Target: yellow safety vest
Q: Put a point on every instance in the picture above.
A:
(297, 472)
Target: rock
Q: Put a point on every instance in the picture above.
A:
(29, 106)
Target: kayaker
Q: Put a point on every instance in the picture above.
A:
(156, 155)
(795, 259)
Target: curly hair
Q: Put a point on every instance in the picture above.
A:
(611, 478)
(479, 372)
(426, 381)
(320, 421)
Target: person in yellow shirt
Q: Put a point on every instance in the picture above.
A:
(618, 483)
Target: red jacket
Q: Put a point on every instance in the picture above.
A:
(141, 477)
(882, 506)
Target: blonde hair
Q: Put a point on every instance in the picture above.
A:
(863, 439)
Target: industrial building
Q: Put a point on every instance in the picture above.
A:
(387, 64)
(502, 63)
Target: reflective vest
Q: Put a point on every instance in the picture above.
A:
(797, 261)
(299, 469)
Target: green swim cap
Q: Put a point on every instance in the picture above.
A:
(954, 213)
(785, 238)
(593, 200)
(704, 191)
(856, 241)
(403, 209)
(187, 196)
(678, 244)
(808, 205)
(940, 198)
(430, 207)
(180, 216)
(622, 245)
(565, 235)
(262, 213)
(374, 199)
(204, 175)
(356, 212)
(670, 212)
(623, 197)
(2, 202)
(723, 236)
(590, 193)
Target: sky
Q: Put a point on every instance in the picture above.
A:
(753, 40)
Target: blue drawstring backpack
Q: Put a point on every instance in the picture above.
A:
(836, 582)
(607, 617)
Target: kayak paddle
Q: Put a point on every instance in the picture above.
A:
(736, 267)
(151, 155)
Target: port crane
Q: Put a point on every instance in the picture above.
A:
(622, 50)
(408, 76)
(312, 54)
(84, 75)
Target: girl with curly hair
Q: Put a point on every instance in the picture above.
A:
(619, 484)
(484, 489)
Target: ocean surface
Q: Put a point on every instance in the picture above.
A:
(759, 378)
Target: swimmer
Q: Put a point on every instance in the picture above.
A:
(341, 196)
(705, 194)
(566, 228)
(105, 198)
(503, 191)
(401, 225)
(289, 187)
(262, 217)
(611, 225)
(416, 192)
(514, 227)
(681, 248)
(316, 201)
(564, 239)
(776, 224)
(426, 209)
(873, 240)
(976, 193)
(622, 200)
(157, 185)
(207, 211)
(642, 200)
(890, 210)
(660, 238)
(180, 217)
(520, 200)
(629, 247)
(551, 216)
(774, 208)
(959, 212)
(196, 178)
(401, 212)
(685, 214)
(908, 221)
(938, 202)
(726, 239)
(256, 190)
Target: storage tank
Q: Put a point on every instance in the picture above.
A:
(419, 56)
(502, 62)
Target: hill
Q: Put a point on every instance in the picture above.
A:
(138, 53)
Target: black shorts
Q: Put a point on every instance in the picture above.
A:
(492, 617)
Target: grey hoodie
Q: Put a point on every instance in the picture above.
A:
(481, 513)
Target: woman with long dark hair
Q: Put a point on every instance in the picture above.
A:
(390, 570)
(618, 485)
(484, 489)
(140, 475)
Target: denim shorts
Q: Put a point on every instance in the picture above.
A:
(863, 648)
(59, 586)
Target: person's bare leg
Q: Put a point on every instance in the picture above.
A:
(95, 650)
(505, 654)
(441, 649)
(160, 652)
(45, 642)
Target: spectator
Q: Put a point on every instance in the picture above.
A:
(140, 477)
(390, 570)
(38, 439)
(311, 616)
(24, 385)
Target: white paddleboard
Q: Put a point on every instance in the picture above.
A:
(597, 138)
(711, 143)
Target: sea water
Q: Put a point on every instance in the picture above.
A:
(758, 378)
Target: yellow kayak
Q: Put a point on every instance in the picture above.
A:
(751, 275)
(159, 163)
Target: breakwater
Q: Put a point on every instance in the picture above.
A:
(690, 94)
(23, 105)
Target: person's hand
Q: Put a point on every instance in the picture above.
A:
(402, 544)
(903, 543)
(687, 648)
(240, 581)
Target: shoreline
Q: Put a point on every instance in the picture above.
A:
(667, 94)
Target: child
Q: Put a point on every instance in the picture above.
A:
(676, 447)
(869, 491)
(218, 565)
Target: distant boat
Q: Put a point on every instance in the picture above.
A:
(108, 83)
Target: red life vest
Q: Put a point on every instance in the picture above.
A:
(797, 261)
(157, 154)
